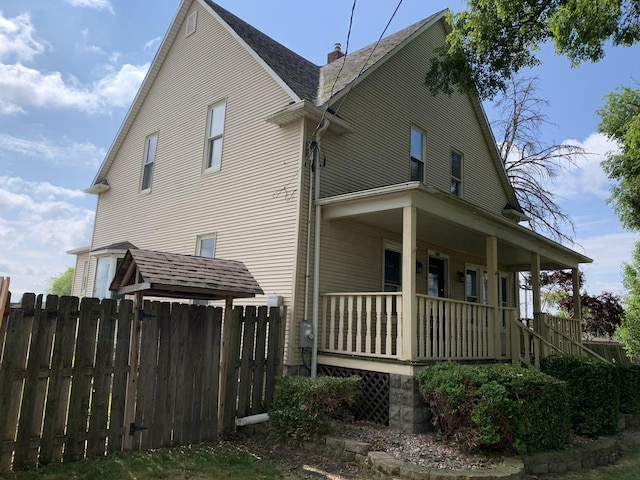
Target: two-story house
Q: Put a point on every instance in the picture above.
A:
(381, 215)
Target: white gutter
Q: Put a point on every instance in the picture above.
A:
(252, 419)
(316, 252)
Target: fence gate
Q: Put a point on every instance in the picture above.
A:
(65, 366)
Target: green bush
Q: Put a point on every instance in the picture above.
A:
(303, 406)
(593, 392)
(629, 388)
(503, 408)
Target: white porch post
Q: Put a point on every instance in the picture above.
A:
(492, 295)
(535, 290)
(406, 327)
(577, 305)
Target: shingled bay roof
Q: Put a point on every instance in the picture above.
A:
(183, 276)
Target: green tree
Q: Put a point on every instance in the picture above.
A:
(620, 121)
(629, 331)
(61, 284)
(494, 39)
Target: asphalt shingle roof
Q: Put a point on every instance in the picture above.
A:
(187, 276)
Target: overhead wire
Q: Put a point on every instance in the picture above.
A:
(364, 65)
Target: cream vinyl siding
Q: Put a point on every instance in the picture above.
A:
(352, 256)
(76, 287)
(240, 202)
(382, 110)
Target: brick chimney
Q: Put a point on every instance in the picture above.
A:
(336, 54)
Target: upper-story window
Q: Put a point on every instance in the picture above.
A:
(206, 246)
(151, 144)
(456, 173)
(215, 134)
(417, 154)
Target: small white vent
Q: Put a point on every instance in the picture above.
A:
(191, 24)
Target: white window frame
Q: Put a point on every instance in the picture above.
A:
(150, 153)
(481, 283)
(214, 138)
(423, 151)
(85, 277)
(445, 258)
(199, 244)
(394, 247)
(456, 180)
(111, 271)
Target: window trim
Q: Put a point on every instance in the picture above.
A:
(423, 153)
(146, 163)
(199, 240)
(454, 179)
(113, 263)
(394, 247)
(208, 164)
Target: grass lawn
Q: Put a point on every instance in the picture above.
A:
(195, 463)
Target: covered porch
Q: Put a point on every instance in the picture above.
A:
(398, 331)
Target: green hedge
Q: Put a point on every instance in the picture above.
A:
(593, 392)
(501, 407)
(303, 406)
(629, 388)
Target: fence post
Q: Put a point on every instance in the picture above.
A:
(132, 380)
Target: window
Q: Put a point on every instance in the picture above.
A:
(106, 267)
(476, 284)
(206, 246)
(151, 144)
(392, 268)
(456, 174)
(215, 133)
(417, 154)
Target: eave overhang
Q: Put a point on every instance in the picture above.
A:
(306, 109)
(470, 222)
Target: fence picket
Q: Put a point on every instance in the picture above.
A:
(81, 381)
(64, 375)
(102, 379)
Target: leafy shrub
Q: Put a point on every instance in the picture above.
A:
(501, 407)
(302, 406)
(593, 392)
(629, 388)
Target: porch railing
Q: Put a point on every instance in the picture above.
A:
(367, 324)
(371, 325)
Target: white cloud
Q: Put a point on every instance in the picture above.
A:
(60, 152)
(17, 38)
(21, 86)
(97, 4)
(152, 44)
(608, 251)
(587, 176)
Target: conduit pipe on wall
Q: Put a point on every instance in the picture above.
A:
(316, 251)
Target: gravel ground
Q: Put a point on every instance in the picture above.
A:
(422, 449)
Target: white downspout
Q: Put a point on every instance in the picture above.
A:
(316, 252)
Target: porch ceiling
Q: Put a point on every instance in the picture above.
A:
(451, 223)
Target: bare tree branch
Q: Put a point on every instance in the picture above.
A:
(530, 163)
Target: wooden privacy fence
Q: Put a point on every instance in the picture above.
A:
(71, 386)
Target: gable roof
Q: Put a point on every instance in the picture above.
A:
(304, 81)
(183, 276)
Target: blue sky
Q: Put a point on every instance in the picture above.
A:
(70, 68)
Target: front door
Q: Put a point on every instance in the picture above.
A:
(436, 277)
